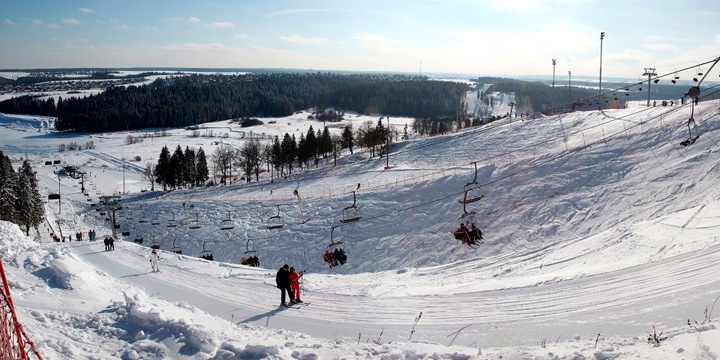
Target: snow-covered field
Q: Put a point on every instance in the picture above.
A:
(598, 228)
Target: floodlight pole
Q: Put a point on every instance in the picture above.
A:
(569, 84)
(553, 96)
(649, 72)
(602, 36)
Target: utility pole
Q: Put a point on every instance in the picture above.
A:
(602, 36)
(649, 72)
(512, 105)
(553, 96)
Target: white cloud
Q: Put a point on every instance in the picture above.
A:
(241, 36)
(37, 22)
(118, 25)
(303, 40)
(194, 20)
(517, 5)
(195, 47)
(71, 21)
(86, 10)
(8, 22)
(221, 24)
(53, 26)
(661, 47)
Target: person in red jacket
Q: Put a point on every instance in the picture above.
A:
(295, 283)
(328, 258)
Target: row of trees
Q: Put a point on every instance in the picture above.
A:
(194, 99)
(181, 169)
(20, 200)
(282, 156)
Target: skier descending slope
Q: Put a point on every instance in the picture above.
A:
(154, 258)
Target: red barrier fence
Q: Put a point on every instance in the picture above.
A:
(14, 343)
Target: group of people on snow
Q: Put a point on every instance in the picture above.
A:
(335, 258)
(468, 233)
(91, 235)
(250, 261)
(109, 243)
(288, 281)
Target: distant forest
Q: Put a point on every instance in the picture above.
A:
(192, 99)
(185, 100)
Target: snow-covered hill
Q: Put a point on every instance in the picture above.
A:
(595, 223)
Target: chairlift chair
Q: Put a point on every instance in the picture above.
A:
(142, 218)
(247, 248)
(155, 244)
(691, 124)
(171, 222)
(471, 188)
(176, 249)
(155, 220)
(351, 213)
(332, 240)
(194, 224)
(227, 224)
(275, 221)
(297, 195)
(468, 237)
(206, 254)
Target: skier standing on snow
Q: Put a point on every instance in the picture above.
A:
(295, 284)
(282, 279)
(154, 258)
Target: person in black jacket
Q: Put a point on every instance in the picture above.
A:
(283, 283)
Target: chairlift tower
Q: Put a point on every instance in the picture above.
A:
(112, 204)
(649, 72)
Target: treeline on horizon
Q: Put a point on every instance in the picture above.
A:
(193, 99)
(538, 96)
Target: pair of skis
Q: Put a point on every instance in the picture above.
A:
(292, 305)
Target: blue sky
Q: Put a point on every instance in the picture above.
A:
(483, 37)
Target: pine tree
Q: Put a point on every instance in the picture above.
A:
(311, 144)
(202, 174)
(325, 142)
(289, 151)
(347, 138)
(8, 181)
(277, 158)
(163, 168)
(28, 205)
(189, 165)
(177, 163)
